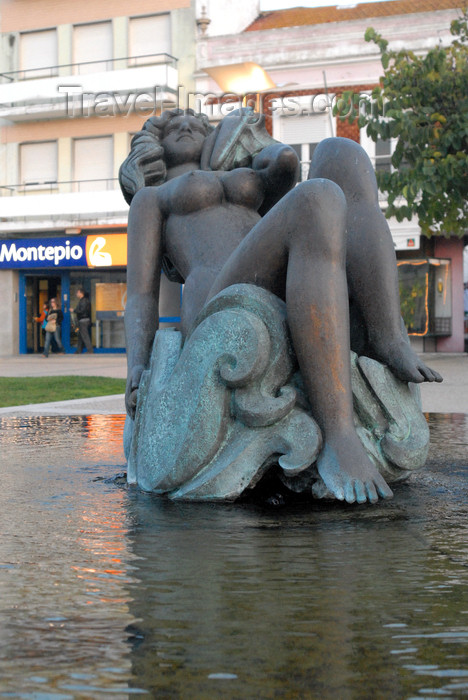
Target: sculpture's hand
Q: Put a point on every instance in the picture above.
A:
(131, 391)
(235, 140)
(278, 166)
(142, 167)
(152, 167)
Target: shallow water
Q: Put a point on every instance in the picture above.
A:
(108, 592)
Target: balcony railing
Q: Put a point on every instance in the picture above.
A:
(51, 205)
(89, 67)
(63, 186)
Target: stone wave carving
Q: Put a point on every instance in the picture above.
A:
(215, 413)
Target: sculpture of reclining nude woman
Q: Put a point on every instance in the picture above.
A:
(221, 208)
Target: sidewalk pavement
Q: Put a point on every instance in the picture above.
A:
(449, 397)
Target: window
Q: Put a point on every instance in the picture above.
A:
(148, 36)
(38, 163)
(383, 155)
(93, 164)
(92, 47)
(304, 153)
(379, 152)
(38, 53)
(303, 133)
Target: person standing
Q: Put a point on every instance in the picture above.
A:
(52, 328)
(42, 320)
(83, 315)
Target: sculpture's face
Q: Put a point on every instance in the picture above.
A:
(183, 140)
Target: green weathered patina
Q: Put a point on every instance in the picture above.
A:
(215, 414)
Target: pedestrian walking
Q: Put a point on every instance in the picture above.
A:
(53, 327)
(82, 312)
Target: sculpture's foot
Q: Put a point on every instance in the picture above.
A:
(348, 473)
(403, 361)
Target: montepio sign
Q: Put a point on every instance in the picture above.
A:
(86, 251)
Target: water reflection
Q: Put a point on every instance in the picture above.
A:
(62, 601)
(105, 589)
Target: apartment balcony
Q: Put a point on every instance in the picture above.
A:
(118, 86)
(57, 205)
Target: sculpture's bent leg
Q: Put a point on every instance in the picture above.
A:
(298, 250)
(213, 417)
(370, 259)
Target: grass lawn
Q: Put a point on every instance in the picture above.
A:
(18, 391)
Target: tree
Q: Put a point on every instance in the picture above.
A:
(422, 101)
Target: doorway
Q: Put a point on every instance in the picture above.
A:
(35, 290)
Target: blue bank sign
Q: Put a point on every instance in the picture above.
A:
(42, 252)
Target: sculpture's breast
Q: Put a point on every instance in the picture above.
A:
(201, 189)
(243, 186)
(195, 191)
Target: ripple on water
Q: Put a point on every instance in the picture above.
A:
(105, 590)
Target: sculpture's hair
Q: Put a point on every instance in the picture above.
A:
(145, 163)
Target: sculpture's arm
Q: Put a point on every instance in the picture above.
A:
(145, 225)
(278, 166)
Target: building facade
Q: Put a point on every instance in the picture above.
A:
(78, 79)
(313, 55)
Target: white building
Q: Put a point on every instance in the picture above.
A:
(311, 55)
(78, 79)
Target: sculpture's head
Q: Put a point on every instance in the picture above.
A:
(176, 137)
(183, 136)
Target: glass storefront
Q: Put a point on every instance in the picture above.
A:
(58, 266)
(107, 330)
(107, 290)
(426, 296)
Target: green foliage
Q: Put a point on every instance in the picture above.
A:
(16, 391)
(422, 103)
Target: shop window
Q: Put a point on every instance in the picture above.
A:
(93, 164)
(38, 53)
(148, 36)
(92, 47)
(109, 306)
(426, 296)
(38, 164)
(107, 294)
(107, 291)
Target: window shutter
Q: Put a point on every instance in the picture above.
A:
(38, 162)
(303, 134)
(93, 160)
(38, 52)
(305, 129)
(149, 35)
(92, 42)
